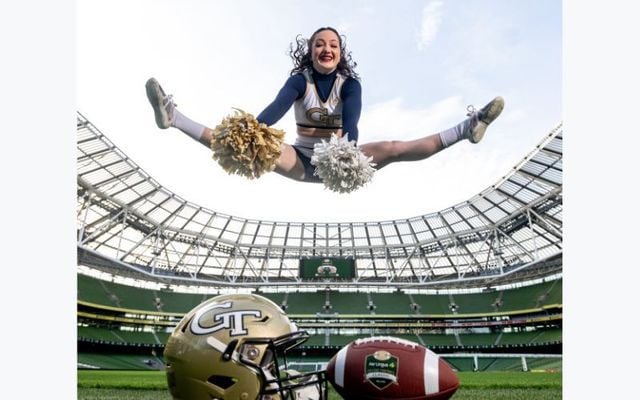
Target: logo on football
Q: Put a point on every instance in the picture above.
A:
(381, 369)
(387, 368)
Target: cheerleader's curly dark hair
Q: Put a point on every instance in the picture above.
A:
(300, 53)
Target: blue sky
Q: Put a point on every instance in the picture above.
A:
(421, 64)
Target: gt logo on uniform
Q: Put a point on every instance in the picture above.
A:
(213, 319)
(321, 115)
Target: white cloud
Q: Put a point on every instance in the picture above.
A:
(431, 18)
(394, 119)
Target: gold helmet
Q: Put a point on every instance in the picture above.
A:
(234, 347)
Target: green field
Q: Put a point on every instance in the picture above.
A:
(151, 385)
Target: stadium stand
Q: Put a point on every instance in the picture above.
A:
(93, 290)
(97, 291)
(499, 364)
(438, 340)
(307, 303)
(532, 296)
(391, 303)
(119, 336)
(432, 304)
(478, 339)
(119, 361)
(349, 303)
(477, 303)
(278, 298)
(515, 362)
(553, 335)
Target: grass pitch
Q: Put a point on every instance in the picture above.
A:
(151, 385)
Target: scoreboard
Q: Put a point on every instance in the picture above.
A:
(328, 268)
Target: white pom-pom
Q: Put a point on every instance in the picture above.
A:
(341, 165)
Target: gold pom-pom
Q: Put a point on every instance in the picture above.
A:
(244, 146)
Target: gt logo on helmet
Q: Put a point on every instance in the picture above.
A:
(232, 320)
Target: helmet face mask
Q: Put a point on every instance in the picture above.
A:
(279, 381)
(235, 347)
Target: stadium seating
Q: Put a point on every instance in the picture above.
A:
(117, 336)
(549, 335)
(461, 364)
(96, 291)
(93, 290)
(475, 303)
(388, 309)
(499, 364)
(532, 337)
(306, 303)
(391, 303)
(541, 364)
(349, 303)
(343, 340)
(478, 339)
(111, 294)
(98, 334)
(119, 361)
(434, 340)
(433, 304)
(532, 296)
(316, 340)
(172, 302)
(277, 298)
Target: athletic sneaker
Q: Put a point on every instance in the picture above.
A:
(162, 104)
(483, 118)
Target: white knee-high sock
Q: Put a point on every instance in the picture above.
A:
(187, 125)
(455, 134)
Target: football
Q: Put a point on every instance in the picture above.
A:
(384, 368)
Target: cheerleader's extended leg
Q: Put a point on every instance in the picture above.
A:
(288, 164)
(472, 129)
(167, 116)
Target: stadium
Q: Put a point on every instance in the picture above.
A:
(479, 283)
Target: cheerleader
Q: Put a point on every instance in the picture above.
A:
(326, 94)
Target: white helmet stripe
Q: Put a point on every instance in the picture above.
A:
(431, 384)
(341, 358)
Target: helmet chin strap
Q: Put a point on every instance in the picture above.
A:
(307, 393)
(311, 392)
(270, 386)
(228, 352)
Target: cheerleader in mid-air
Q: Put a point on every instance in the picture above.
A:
(326, 94)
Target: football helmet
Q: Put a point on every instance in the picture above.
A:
(235, 347)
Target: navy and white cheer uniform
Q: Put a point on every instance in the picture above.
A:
(323, 104)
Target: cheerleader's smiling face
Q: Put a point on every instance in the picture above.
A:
(325, 51)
